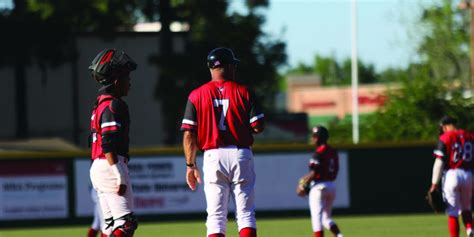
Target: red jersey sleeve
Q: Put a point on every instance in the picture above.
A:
(441, 152)
(190, 121)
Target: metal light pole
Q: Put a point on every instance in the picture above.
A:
(354, 79)
(466, 4)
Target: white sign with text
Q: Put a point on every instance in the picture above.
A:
(159, 184)
(33, 190)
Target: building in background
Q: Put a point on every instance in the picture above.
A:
(324, 104)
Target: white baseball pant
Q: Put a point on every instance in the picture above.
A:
(457, 190)
(321, 198)
(229, 173)
(104, 181)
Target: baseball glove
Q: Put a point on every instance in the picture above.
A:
(435, 201)
(303, 187)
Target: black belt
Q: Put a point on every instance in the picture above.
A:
(230, 146)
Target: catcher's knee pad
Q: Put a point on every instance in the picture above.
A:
(128, 228)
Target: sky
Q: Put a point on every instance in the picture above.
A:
(323, 27)
(6, 3)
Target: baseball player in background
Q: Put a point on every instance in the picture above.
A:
(110, 124)
(98, 221)
(219, 119)
(454, 161)
(319, 183)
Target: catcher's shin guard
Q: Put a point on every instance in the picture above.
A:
(128, 228)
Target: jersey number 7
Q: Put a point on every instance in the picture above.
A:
(225, 106)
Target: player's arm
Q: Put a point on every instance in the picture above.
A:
(190, 147)
(314, 166)
(259, 127)
(308, 177)
(110, 126)
(118, 172)
(304, 182)
(438, 166)
(257, 121)
(189, 128)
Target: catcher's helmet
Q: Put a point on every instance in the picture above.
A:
(221, 56)
(321, 132)
(110, 64)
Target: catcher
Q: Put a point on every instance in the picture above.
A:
(319, 183)
(110, 123)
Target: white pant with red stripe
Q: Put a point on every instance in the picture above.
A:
(321, 198)
(229, 174)
(105, 182)
(457, 190)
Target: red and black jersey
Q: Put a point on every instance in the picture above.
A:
(110, 123)
(222, 113)
(325, 163)
(456, 149)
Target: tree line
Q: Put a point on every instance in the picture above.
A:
(437, 84)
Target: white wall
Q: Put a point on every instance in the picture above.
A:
(144, 109)
(49, 102)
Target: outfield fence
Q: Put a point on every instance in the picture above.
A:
(54, 187)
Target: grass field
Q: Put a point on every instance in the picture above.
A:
(419, 225)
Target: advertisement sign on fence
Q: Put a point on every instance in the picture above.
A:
(159, 184)
(33, 190)
(278, 175)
